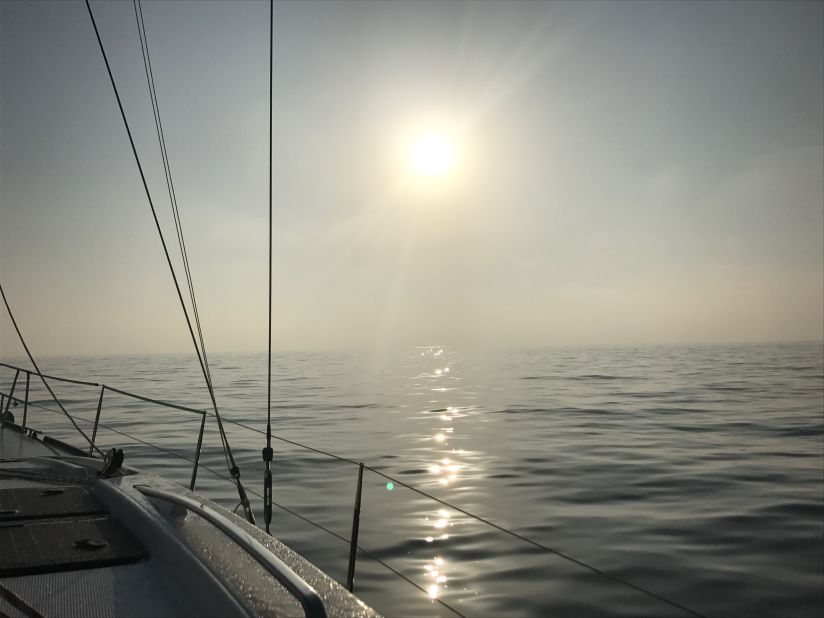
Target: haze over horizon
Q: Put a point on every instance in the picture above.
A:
(623, 173)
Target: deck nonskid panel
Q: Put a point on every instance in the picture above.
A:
(86, 538)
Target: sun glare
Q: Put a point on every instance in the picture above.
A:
(432, 154)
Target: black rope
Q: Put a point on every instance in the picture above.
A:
(268, 454)
(234, 470)
(42, 377)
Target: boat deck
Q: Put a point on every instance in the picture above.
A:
(14, 445)
(76, 543)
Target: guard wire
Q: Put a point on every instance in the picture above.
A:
(414, 489)
(234, 470)
(546, 548)
(488, 522)
(282, 507)
(136, 439)
(42, 377)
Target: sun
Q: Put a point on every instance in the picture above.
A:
(433, 154)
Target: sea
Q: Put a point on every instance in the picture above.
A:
(568, 481)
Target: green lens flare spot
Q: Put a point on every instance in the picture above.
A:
(390, 486)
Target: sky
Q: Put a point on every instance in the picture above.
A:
(624, 172)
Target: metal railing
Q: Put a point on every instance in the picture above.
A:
(7, 399)
(352, 541)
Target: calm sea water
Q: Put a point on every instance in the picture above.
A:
(695, 472)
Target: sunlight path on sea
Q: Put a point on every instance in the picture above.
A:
(694, 471)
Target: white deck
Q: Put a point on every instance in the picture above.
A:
(16, 445)
(184, 565)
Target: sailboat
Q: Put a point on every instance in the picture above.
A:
(84, 534)
(89, 536)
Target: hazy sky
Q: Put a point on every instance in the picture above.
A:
(625, 172)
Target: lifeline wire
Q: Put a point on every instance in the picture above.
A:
(235, 471)
(412, 488)
(126, 435)
(426, 495)
(267, 451)
(498, 527)
(286, 509)
(42, 377)
(249, 514)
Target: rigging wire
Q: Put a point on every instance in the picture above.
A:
(167, 170)
(412, 488)
(42, 377)
(488, 522)
(401, 484)
(286, 509)
(147, 66)
(267, 451)
(278, 505)
(234, 470)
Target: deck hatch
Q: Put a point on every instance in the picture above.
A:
(50, 546)
(45, 502)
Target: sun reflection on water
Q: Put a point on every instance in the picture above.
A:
(447, 465)
(434, 570)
